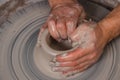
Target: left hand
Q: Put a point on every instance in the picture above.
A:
(63, 20)
(91, 42)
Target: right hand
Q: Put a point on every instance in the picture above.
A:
(63, 20)
(91, 41)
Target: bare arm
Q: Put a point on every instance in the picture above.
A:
(110, 25)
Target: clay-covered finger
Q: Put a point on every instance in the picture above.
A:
(83, 31)
(60, 69)
(78, 33)
(71, 24)
(81, 67)
(88, 57)
(61, 28)
(52, 29)
(73, 55)
(73, 72)
(69, 69)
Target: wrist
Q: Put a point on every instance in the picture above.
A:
(101, 37)
(104, 25)
(54, 3)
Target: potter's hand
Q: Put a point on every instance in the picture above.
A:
(91, 42)
(63, 19)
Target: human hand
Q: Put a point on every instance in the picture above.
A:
(63, 19)
(91, 40)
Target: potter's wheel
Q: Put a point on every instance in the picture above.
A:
(19, 60)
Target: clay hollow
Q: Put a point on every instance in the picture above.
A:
(63, 45)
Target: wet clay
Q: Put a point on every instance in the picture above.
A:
(47, 50)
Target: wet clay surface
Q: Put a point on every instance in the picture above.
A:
(42, 60)
(44, 54)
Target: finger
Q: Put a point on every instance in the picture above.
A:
(61, 28)
(79, 68)
(73, 55)
(52, 29)
(60, 69)
(71, 25)
(69, 69)
(89, 57)
(78, 33)
(72, 73)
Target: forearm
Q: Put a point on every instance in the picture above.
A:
(56, 2)
(110, 25)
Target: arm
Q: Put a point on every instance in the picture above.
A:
(110, 25)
